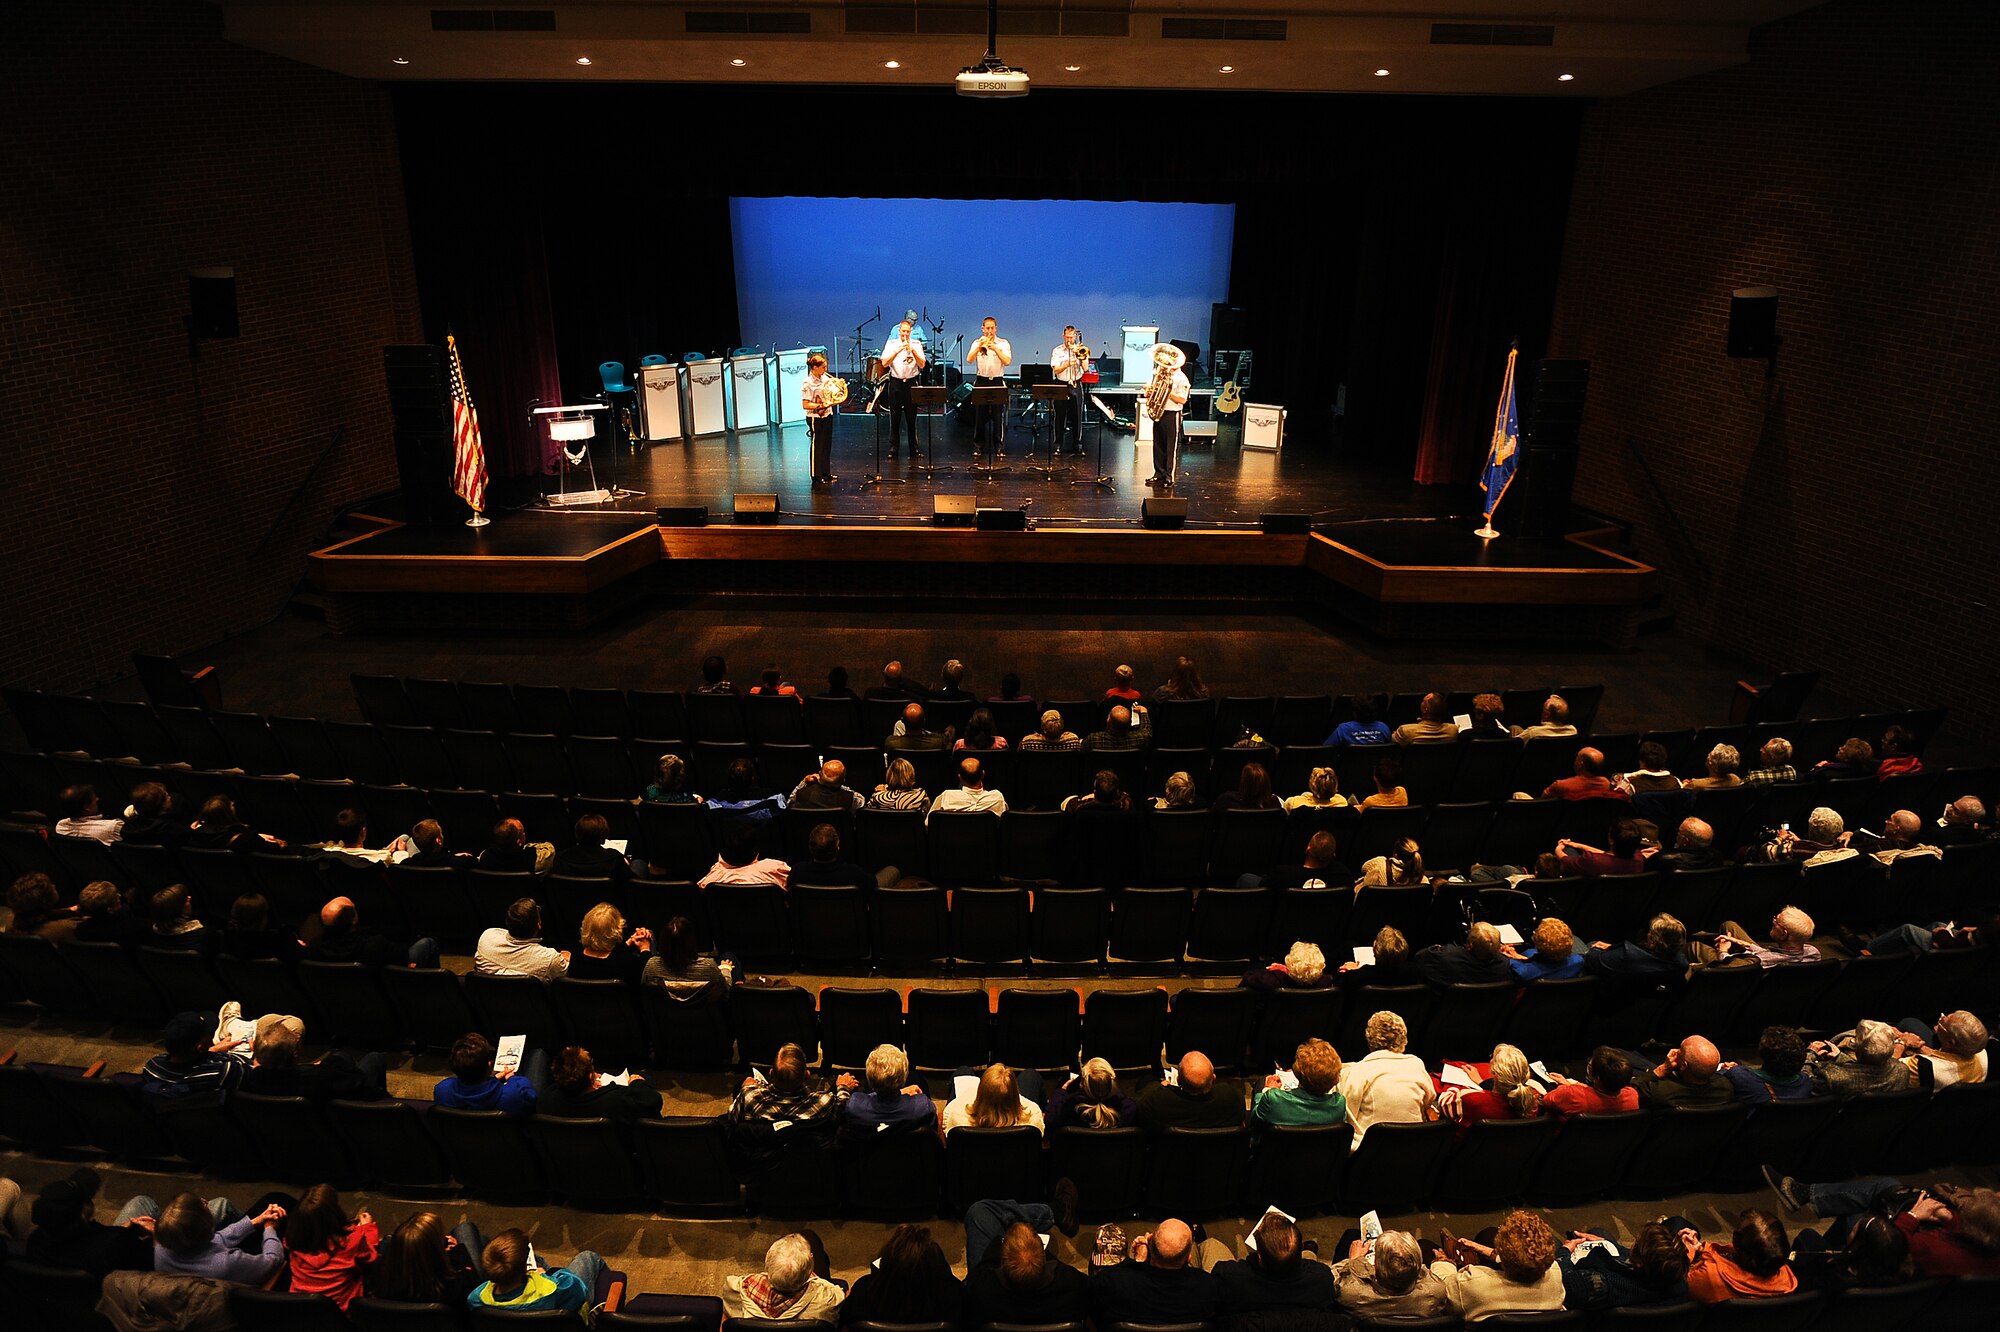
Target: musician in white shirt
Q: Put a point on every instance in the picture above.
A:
(1167, 361)
(902, 361)
(1070, 363)
(990, 357)
(819, 418)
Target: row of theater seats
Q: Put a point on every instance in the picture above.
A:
(398, 1008)
(690, 1165)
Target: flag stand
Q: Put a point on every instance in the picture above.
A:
(1487, 531)
(479, 520)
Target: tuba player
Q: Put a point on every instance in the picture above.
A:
(1169, 387)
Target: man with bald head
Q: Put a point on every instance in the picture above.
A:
(1157, 1283)
(1902, 835)
(1433, 723)
(1791, 942)
(341, 939)
(912, 734)
(1477, 960)
(1191, 1097)
(1274, 1273)
(1588, 782)
(1964, 823)
(1694, 849)
(1124, 728)
(896, 685)
(1687, 1077)
(826, 789)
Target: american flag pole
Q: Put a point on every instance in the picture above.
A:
(468, 470)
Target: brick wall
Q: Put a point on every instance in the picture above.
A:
(137, 145)
(1841, 514)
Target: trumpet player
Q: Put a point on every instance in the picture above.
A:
(1070, 363)
(818, 396)
(1165, 396)
(902, 361)
(989, 358)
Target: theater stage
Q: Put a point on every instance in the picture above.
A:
(1397, 557)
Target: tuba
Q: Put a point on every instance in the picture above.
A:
(1157, 390)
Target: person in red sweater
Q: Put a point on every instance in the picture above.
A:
(1752, 1264)
(1607, 1086)
(1589, 782)
(329, 1253)
(1899, 756)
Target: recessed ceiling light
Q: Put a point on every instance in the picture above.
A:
(892, 64)
(399, 60)
(1565, 78)
(1073, 68)
(739, 62)
(583, 60)
(1381, 73)
(1227, 69)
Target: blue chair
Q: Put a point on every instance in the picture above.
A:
(613, 375)
(692, 357)
(653, 359)
(746, 351)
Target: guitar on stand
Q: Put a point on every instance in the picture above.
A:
(1230, 399)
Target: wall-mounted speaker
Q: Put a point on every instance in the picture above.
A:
(1287, 524)
(212, 303)
(1753, 322)
(1002, 520)
(953, 510)
(691, 515)
(1163, 512)
(756, 508)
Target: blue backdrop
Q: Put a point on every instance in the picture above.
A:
(809, 270)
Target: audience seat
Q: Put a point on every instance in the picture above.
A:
(1314, 915)
(1297, 1168)
(1396, 1165)
(1149, 926)
(1681, 1148)
(1226, 929)
(948, 1029)
(992, 1163)
(294, 1138)
(1494, 1162)
(990, 926)
(604, 1016)
(389, 1143)
(691, 1033)
(828, 924)
(1108, 1167)
(1036, 1029)
(1595, 1148)
(587, 1159)
(1290, 1018)
(685, 1164)
(854, 1021)
(897, 1175)
(489, 1153)
(1197, 1173)
(1215, 1022)
(259, 1310)
(766, 1017)
(909, 924)
(515, 1006)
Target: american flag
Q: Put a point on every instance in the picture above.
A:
(468, 468)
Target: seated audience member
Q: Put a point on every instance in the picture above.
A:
(1596, 1276)
(248, 937)
(1393, 963)
(743, 797)
(1253, 791)
(790, 1093)
(1687, 1076)
(1824, 843)
(1622, 857)
(341, 939)
(1723, 761)
(1554, 723)
(787, 1288)
(423, 1263)
(1365, 729)
(1949, 1231)
(1389, 792)
(1780, 1071)
(1952, 1052)
(714, 676)
(152, 821)
(1314, 1100)
(774, 684)
(1177, 792)
(1858, 1253)
(1322, 792)
(1124, 728)
(1751, 1265)
(1393, 1283)
(604, 952)
(589, 857)
(1401, 868)
(1476, 961)
(899, 789)
(913, 736)
(826, 867)
(1694, 849)
(1964, 823)
(1050, 735)
(1433, 723)
(739, 862)
(1091, 1099)
(1191, 1097)
(979, 734)
(428, 851)
(1661, 955)
(1652, 774)
(511, 1285)
(1606, 1087)
(910, 1281)
(248, 1251)
(275, 1070)
(82, 818)
(516, 948)
(1010, 691)
(186, 1065)
(1016, 1282)
(1555, 956)
(510, 853)
(682, 969)
(1106, 796)
(1183, 685)
(669, 785)
(329, 1252)
(1507, 1090)
(475, 1085)
(1791, 942)
(825, 789)
(1774, 764)
(1304, 968)
(1488, 718)
(1322, 869)
(1124, 688)
(350, 842)
(1854, 758)
(889, 1096)
(951, 684)
(1387, 1085)
(1003, 1098)
(1157, 1283)
(971, 796)
(1587, 782)
(1517, 1274)
(1899, 754)
(38, 910)
(577, 1090)
(103, 917)
(899, 686)
(1858, 1062)
(68, 1235)
(171, 911)
(1274, 1275)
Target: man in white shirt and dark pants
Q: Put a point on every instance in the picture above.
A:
(902, 360)
(990, 357)
(1069, 363)
(1167, 361)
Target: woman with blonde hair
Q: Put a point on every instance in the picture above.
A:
(899, 789)
(997, 1101)
(605, 951)
(1091, 1099)
(1401, 868)
(1507, 1090)
(1322, 792)
(1179, 793)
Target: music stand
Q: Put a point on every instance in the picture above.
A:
(1045, 394)
(992, 395)
(929, 397)
(877, 479)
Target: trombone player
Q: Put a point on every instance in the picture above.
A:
(902, 361)
(990, 357)
(1069, 363)
(1165, 395)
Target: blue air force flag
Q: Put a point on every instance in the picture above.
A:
(1503, 455)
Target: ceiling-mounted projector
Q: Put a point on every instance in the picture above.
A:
(992, 80)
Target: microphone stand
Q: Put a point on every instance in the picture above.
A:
(857, 342)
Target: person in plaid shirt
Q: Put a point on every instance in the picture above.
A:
(789, 1095)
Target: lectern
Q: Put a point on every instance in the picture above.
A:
(572, 428)
(660, 402)
(705, 397)
(791, 383)
(1137, 365)
(750, 390)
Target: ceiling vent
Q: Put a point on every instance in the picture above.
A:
(493, 20)
(1223, 29)
(707, 21)
(1493, 34)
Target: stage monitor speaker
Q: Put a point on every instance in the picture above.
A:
(1163, 512)
(1287, 524)
(1228, 326)
(212, 303)
(756, 508)
(689, 515)
(1002, 520)
(953, 510)
(1753, 322)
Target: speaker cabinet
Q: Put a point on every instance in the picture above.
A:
(1753, 322)
(1003, 520)
(212, 303)
(756, 508)
(1287, 524)
(1163, 512)
(1549, 446)
(693, 515)
(953, 510)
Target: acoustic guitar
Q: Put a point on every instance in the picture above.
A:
(1231, 397)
